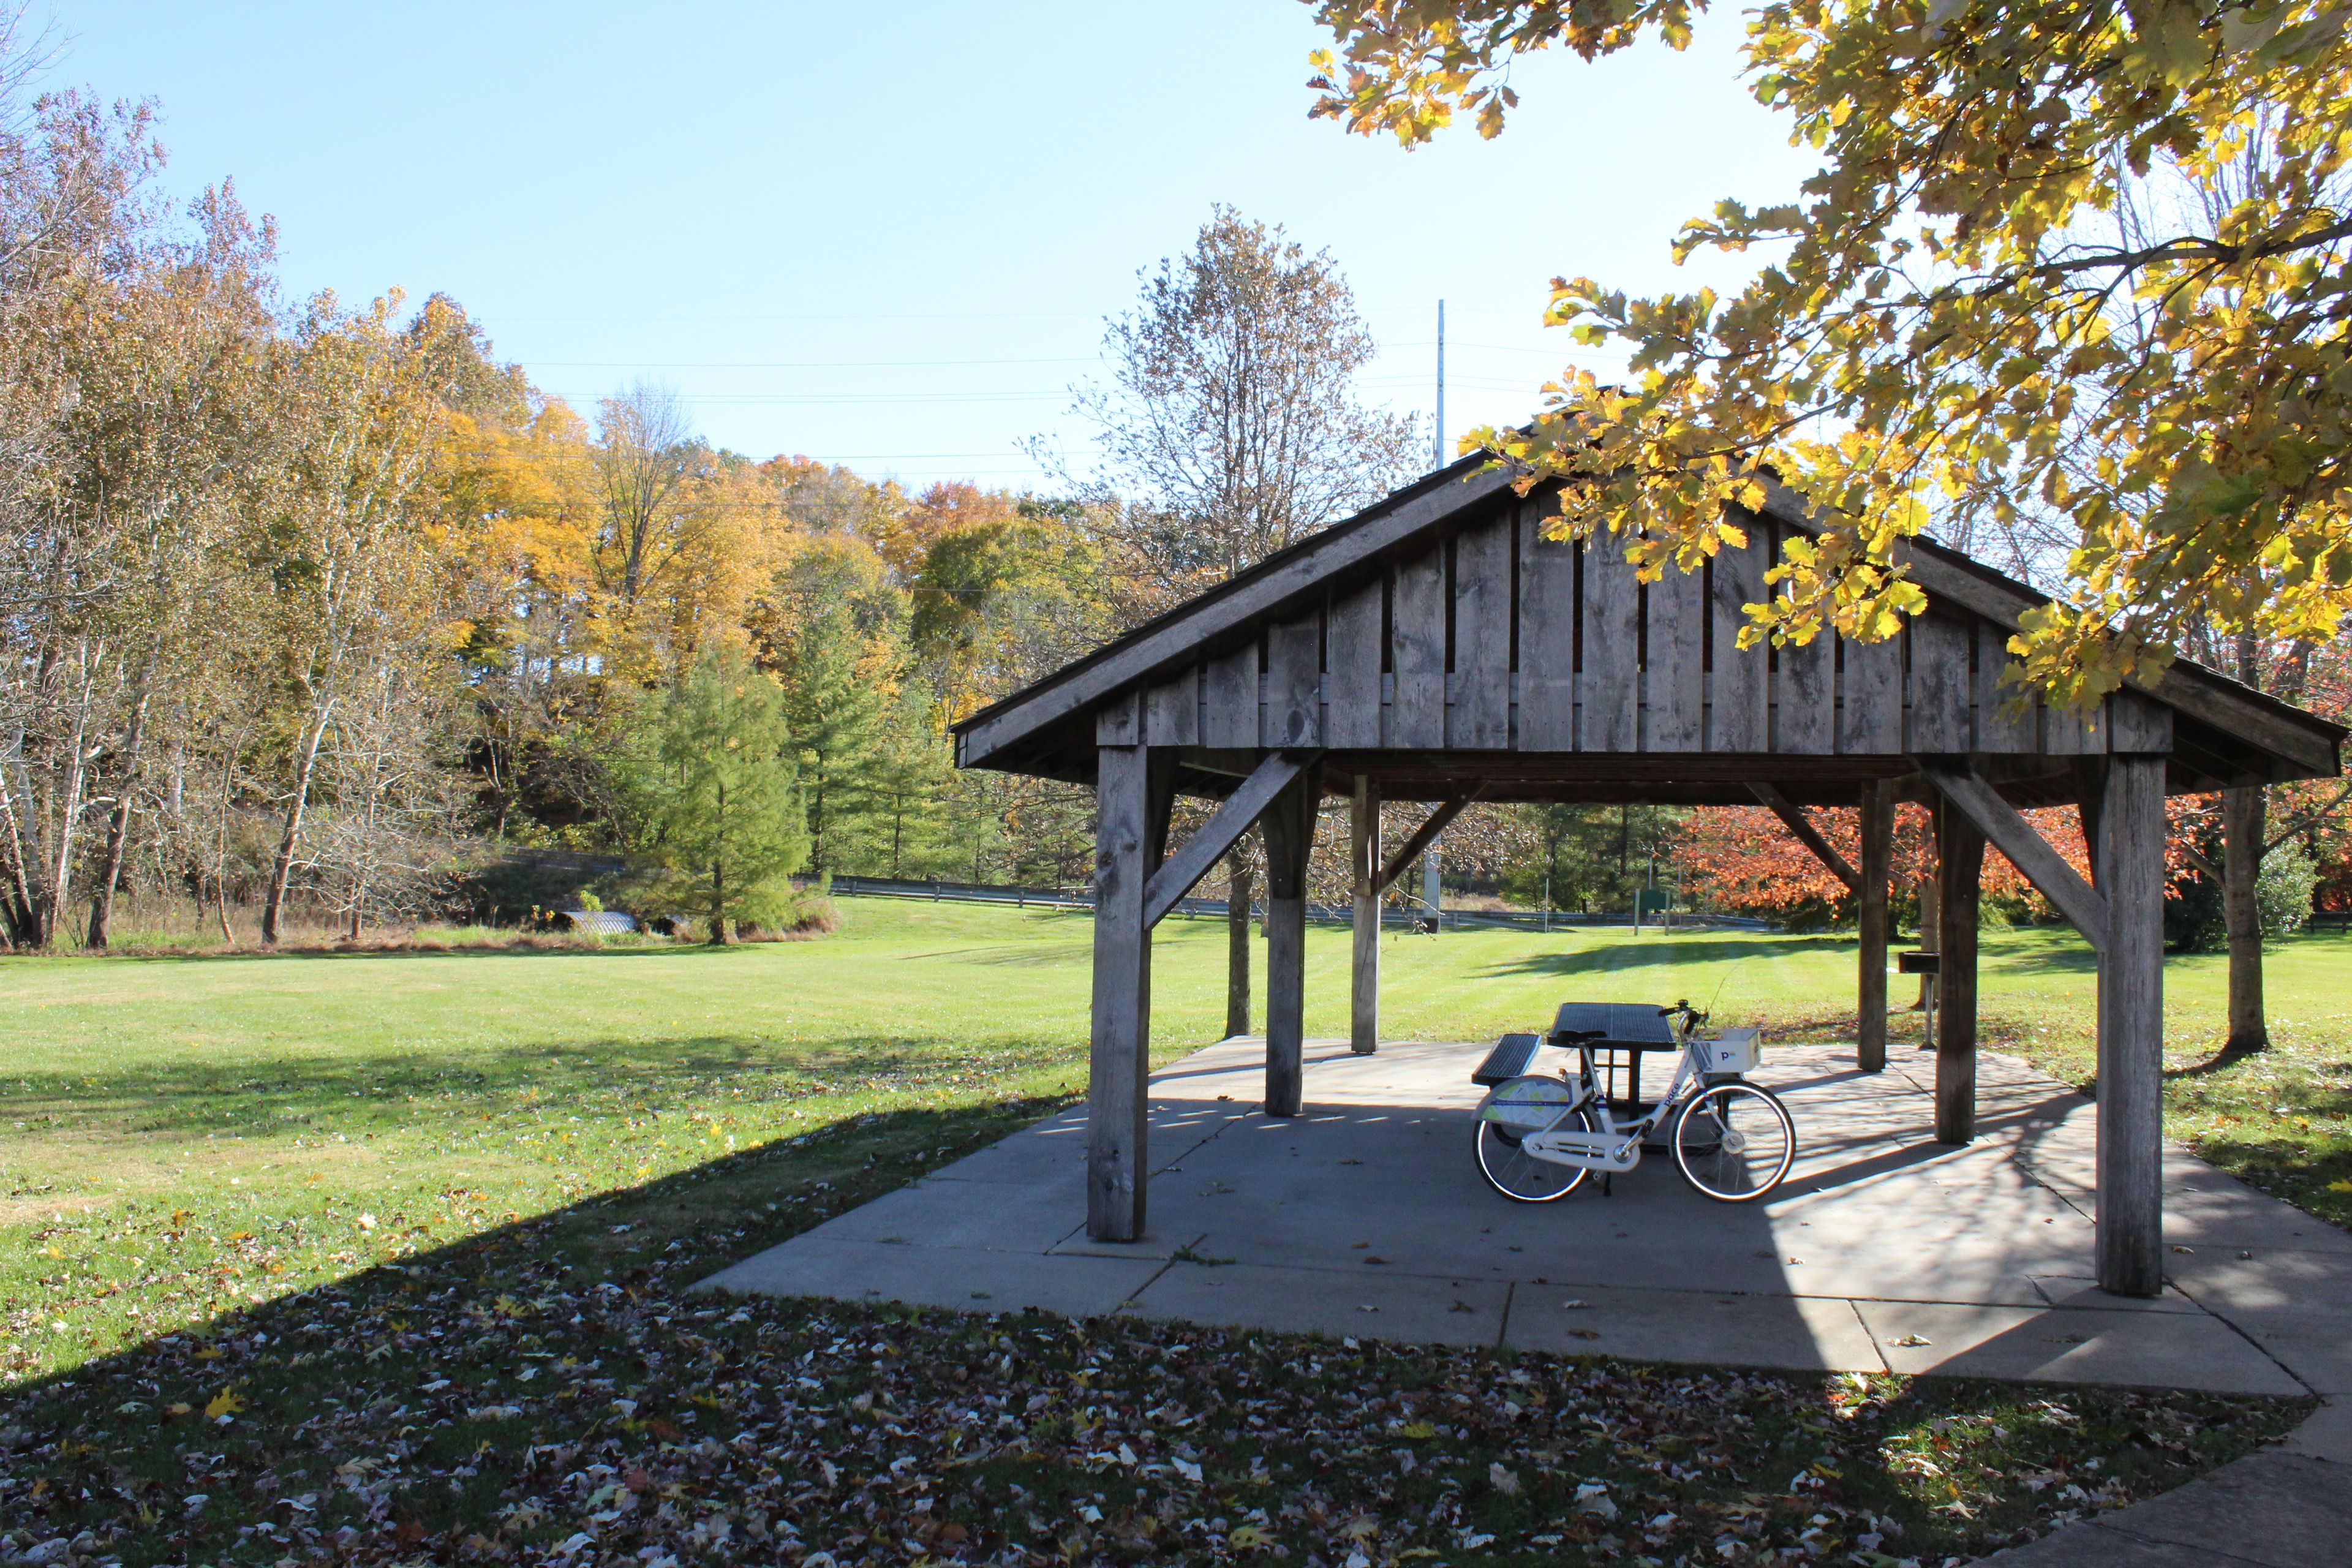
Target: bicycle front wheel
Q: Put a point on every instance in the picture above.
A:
(1519, 1175)
(1735, 1141)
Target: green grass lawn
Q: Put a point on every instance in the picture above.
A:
(295, 1191)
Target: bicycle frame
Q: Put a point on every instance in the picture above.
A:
(1618, 1145)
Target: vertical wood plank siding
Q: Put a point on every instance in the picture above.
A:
(1479, 718)
(1941, 683)
(1230, 717)
(1996, 729)
(1502, 639)
(1294, 683)
(1870, 697)
(1674, 677)
(1739, 692)
(1351, 688)
(1608, 687)
(1417, 650)
(1546, 636)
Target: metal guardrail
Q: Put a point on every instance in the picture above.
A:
(1400, 918)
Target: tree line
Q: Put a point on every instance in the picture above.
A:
(320, 610)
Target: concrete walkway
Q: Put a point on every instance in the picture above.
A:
(1883, 1251)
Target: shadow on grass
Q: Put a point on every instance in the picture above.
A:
(122, 1441)
(314, 954)
(464, 1081)
(1626, 957)
(546, 1387)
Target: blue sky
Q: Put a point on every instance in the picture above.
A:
(889, 237)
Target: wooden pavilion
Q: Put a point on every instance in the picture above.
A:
(1437, 648)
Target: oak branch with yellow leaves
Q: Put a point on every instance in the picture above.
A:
(2081, 264)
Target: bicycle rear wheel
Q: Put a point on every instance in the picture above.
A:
(1735, 1141)
(1519, 1175)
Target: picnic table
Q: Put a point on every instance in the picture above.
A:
(1628, 1031)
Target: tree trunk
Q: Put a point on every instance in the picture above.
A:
(2244, 824)
(49, 914)
(718, 900)
(220, 889)
(117, 831)
(282, 870)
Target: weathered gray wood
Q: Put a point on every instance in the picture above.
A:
(1547, 633)
(2131, 1029)
(1364, 968)
(1870, 697)
(1608, 687)
(1293, 682)
(1172, 710)
(2066, 732)
(1479, 718)
(1942, 684)
(1673, 674)
(2008, 721)
(1417, 651)
(1131, 784)
(2090, 800)
(1229, 706)
(1870, 907)
(1289, 839)
(2033, 854)
(1804, 700)
(1422, 837)
(2137, 723)
(1959, 857)
(1183, 870)
(1794, 817)
(1339, 551)
(1740, 685)
(1241, 865)
(1352, 661)
(1119, 720)
(2306, 745)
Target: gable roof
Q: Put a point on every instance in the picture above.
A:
(1524, 683)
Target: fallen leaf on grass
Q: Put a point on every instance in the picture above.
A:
(225, 1402)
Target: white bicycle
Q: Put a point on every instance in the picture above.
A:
(1539, 1137)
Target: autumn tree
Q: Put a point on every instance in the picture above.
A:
(1950, 326)
(1230, 426)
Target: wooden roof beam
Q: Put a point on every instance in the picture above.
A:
(1798, 822)
(2083, 905)
(1181, 872)
(1445, 812)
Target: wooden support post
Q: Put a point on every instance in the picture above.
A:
(2130, 861)
(1132, 795)
(1960, 867)
(1289, 825)
(1364, 972)
(1241, 881)
(1877, 861)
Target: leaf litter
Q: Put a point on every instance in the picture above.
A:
(499, 1405)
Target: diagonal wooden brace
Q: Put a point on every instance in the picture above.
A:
(1410, 851)
(2084, 906)
(1793, 816)
(1180, 871)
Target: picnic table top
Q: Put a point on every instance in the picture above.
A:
(1635, 1026)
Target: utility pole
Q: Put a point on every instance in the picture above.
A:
(1437, 433)
(1429, 868)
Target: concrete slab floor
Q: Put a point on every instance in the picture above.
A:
(1367, 1215)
